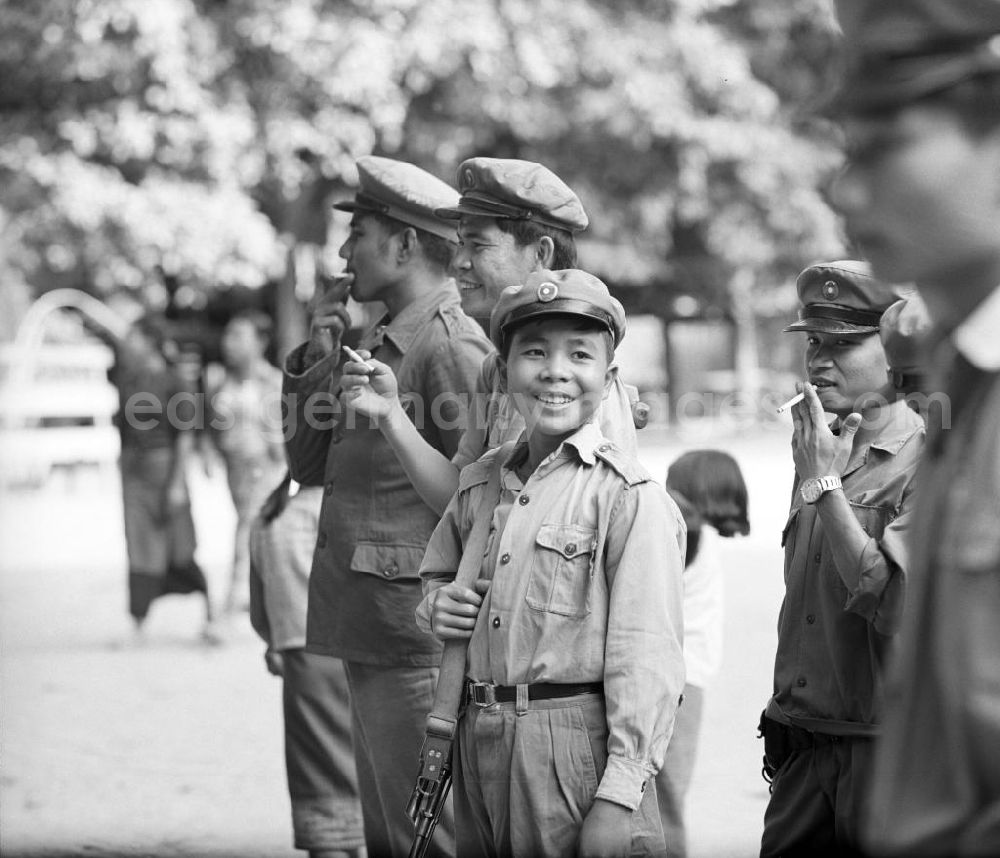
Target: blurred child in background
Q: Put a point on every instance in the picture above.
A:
(709, 489)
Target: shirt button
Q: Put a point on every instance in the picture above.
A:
(321, 540)
(570, 549)
(505, 558)
(523, 500)
(603, 448)
(811, 618)
(818, 557)
(391, 571)
(496, 622)
(328, 490)
(801, 682)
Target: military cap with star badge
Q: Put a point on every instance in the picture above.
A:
(842, 298)
(402, 192)
(898, 51)
(518, 190)
(570, 292)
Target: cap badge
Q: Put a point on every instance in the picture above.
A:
(547, 292)
(469, 178)
(831, 290)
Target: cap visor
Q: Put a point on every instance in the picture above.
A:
(465, 208)
(829, 326)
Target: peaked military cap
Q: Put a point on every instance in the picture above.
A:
(570, 292)
(403, 192)
(842, 298)
(897, 51)
(519, 190)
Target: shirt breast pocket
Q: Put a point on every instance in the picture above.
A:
(561, 570)
(872, 518)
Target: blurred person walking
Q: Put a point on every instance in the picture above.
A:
(319, 756)
(244, 420)
(920, 104)
(156, 414)
(374, 526)
(847, 562)
(709, 489)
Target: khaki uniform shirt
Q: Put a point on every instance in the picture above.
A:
(586, 560)
(493, 419)
(836, 625)
(936, 789)
(374, 527)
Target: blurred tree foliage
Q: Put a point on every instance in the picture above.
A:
(194, 138)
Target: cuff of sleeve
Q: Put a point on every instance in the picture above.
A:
(423, 612)
(624, 781)
(295, 365)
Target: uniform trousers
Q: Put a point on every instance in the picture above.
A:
(319, 756)
(389, 707)
(817, 799)
(525, 781)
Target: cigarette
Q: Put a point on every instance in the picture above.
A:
(795, 400)
(354, 356)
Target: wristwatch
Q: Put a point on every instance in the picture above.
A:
(812, 489)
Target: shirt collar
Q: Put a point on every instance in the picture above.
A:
(583, 443)
(976, 337)
(403, 329)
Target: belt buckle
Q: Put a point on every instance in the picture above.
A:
(482, 694)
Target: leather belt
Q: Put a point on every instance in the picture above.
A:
(486, 693)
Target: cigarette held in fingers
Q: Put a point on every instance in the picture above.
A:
(354, 356)
(795, 400)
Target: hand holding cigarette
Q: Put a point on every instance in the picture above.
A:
(795, 400)
(354, 356)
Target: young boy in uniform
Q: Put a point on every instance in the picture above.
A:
(574, 667)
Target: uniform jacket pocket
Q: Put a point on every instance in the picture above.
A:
(388, 562)
(562, 567)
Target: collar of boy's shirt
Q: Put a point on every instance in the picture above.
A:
(584, 441)
(976, 337)
(403, 329)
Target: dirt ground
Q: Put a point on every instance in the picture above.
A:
(175, 748)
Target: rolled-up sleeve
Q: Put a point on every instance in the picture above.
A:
(441, 561)
(883, 565)
(308, 415)
(644, 662)
(452, 381)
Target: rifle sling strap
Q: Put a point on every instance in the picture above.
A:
(443, 716)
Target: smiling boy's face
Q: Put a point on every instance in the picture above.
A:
(558, 371)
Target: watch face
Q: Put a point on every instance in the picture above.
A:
(811, 491)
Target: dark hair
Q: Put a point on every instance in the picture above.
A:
(710, 484)
(438, 251)
(582, 324)
(527, 232)
(154, 329)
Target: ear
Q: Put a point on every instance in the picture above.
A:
(545, 251)
(502, 369)
(407, 244)
(609, 377)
